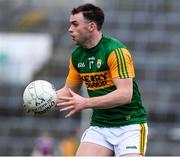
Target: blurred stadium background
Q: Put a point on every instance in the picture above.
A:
(35, 44)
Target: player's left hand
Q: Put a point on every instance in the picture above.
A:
(74, 104)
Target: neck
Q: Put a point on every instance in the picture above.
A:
(94, 40)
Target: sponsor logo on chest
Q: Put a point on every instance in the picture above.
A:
(95, 80)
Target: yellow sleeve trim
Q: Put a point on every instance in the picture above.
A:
(73, 76)
(121, 64)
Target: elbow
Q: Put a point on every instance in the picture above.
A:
(124, 97)
(128, 98)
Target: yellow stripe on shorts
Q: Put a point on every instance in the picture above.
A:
(142, 139)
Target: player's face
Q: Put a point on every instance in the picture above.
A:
(79, 29)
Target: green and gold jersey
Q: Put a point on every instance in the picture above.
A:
(97, 67)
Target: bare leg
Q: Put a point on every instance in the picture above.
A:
(92, 149)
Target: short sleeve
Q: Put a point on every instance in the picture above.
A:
(73, 76)
(121, 64)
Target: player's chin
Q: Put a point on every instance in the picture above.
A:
(75, 42)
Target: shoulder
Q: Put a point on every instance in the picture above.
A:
(112, 43)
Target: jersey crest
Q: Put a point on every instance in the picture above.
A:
(99, 63)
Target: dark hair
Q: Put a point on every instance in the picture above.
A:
(91, 12)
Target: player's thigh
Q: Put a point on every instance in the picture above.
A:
(130, 140)
(92, 149)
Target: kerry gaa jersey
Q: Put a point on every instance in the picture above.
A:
(97, 67)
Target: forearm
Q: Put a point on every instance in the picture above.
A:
(75, 103)
(113, 99)
(63, 92)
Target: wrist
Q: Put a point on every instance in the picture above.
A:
(88, 103)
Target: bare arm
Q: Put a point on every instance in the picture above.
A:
(64, 92)
(121, 96)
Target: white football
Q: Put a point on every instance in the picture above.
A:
(39, 97)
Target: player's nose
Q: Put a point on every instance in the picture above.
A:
(70, 29)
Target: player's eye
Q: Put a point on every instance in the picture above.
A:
(75, 24)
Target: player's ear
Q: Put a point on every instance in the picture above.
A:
(92, 26)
